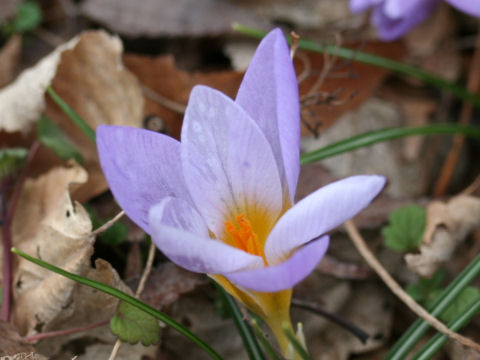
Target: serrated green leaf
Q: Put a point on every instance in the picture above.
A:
(50, 135)
(425, 290)
(11, 160)
(404, 233)
(29, 16)
(463, 301)
(133, 325)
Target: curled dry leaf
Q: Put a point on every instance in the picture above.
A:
(447, 226)
(61, 235)
(88, 74)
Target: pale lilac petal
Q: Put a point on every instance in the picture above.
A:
(396, 9)
(357, 6)
(141, 168)
(319, 213)
(392, 28)
(471, 7)
(228, 164)
(194, 252)
(286, 274)
(269, 94)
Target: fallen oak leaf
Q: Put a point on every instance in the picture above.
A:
(448, 224)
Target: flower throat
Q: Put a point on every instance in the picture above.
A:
(244, 237)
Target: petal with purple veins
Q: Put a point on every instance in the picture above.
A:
(320, 212)
(141, 168)
(269, 94)
(286, 274)
(192, 251)
(228, 164)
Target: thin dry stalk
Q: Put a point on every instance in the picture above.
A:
(140, 287)
(371, 260)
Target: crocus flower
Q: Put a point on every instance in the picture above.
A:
(221, 201)
(394, 18)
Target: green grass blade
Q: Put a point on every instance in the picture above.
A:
(296, 344)
(413, 335)
(382, 135)
(87, 130)
(125, 297)
(266, 345)
(249, 340)
(375, 60)
(437, 341)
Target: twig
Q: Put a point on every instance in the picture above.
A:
(458, 141)
(108, 224)
(140, 287)
(318, 310)
(363, 249)
(472, 187)
(162, 100)
(51, 334)
(7, 235)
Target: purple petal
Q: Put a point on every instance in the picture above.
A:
(269, 94)
(228, 164)
(395, 9)
(194, 252)
(319, 213)
(392, 28)
(285, 275)
(471, 7)
(141, 168)
(357, 6)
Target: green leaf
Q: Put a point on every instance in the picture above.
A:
(463, 301)
(377, 136)
(50, 135)
(126, 298)
(72, 114)
(250, 342)
(29, 16)
(133, 325)
(425, 290)
(11, 160)
(404, 233)
(416, 331)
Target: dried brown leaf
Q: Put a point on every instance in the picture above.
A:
(61, 235)
(167, 282)
(160, 75)
(88, 74)
(447, 226)
(9, 55)
(12, 344)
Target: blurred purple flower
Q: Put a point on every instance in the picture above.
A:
(221, 201)
(394, 18)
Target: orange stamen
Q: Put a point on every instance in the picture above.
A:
(244, 237)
